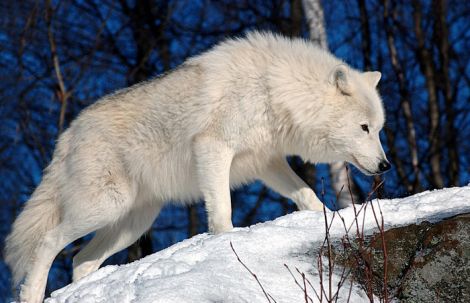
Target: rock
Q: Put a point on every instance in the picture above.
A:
(429, 262)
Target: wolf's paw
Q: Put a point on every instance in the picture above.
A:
(314, 206)
(31, 294)
(307, 200)
(218, 228)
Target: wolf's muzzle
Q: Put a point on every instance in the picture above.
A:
(384, 166)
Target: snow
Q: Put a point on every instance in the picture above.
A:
(205, 269)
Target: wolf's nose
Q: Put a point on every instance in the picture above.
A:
(384, 166)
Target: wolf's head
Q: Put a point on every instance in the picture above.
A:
(337, 118)
(326, 110)
(359, 116)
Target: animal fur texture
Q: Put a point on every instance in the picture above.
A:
(222, 119)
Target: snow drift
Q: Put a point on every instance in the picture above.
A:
(205, 269)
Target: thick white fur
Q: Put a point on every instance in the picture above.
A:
(223, 118)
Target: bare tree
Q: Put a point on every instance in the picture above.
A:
(316, 22)
(338, 171)
(428, 68)
(406, 107)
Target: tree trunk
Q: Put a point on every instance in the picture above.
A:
(193, 220)
(339, 174)
(316, 22)
(441, 39)
(412, 186)
(428, 69)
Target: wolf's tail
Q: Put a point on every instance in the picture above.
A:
(40, 214)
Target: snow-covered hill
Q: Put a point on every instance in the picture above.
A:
(205, 269)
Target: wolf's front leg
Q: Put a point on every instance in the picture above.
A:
(213, 159)
(280, 177)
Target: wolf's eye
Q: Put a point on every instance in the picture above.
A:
(365, 127)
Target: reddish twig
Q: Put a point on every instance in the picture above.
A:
(320, 274)
(301, 273)
(327, 238)
(300, 286)
(253, 274)
(305, 289)
(384, 248)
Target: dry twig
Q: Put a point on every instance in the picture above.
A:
(268, 297)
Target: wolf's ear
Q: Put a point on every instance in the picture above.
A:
(372, 78)
(339, 77)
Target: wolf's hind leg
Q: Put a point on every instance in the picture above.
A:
(112, 239)
(281, 178)
(32, 291)
(77, 220)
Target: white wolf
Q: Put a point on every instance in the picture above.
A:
(223, 118)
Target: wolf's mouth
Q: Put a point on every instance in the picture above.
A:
(362, 168)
